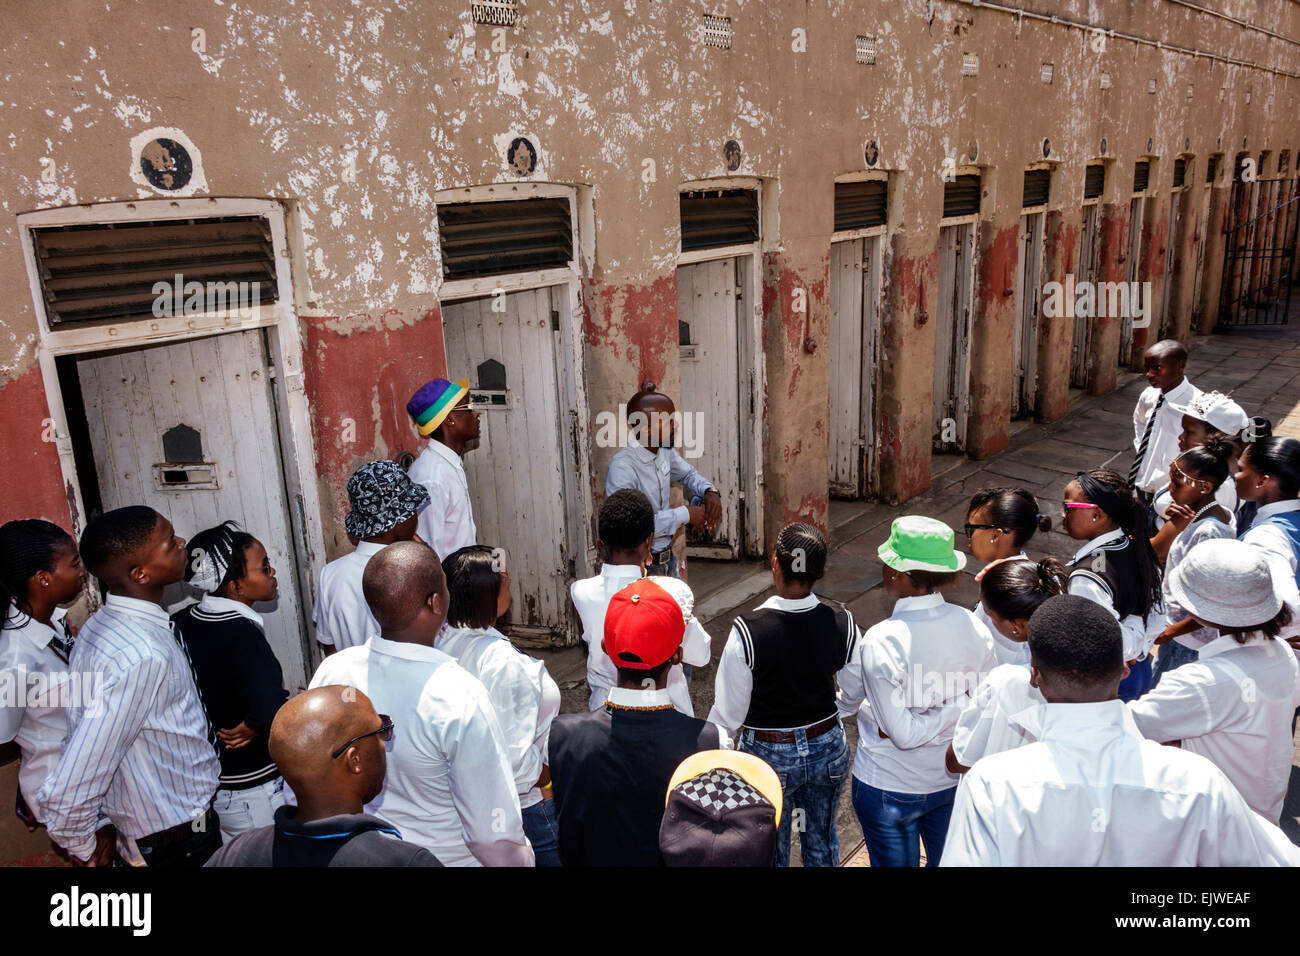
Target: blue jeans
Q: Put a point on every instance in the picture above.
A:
(812, 774)
(894, 824)
(1172, 654)
(1138, 681)
(542, 832)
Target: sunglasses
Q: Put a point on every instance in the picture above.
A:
(385, 732)
(1078, 504)
(970, 529)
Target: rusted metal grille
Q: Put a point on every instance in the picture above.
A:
(1259, 255)
(860, 205)
(961, 197)
(1038, 186)
(504, 13)
(720, 217)
(717, 31)
(489, 238)
(1180, 172)
(1094, 181)
(107, 271)
(1141, 176)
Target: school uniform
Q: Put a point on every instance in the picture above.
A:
(611, 769)
(1184, 648)
(1275, 530)
(1165, 424)
(1001, 716)
(1005, 650)
(1092, 792)
(913, 674)
(341, 615)
(1225, 495)
(241, 682)
(447, 525)
(591, 597)
(1232, 706)
(526, 701)
(775, 690)
(35, 690)
(1105, 570)
(652, 473)
(450, 787)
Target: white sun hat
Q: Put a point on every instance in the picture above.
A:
(1225, 582)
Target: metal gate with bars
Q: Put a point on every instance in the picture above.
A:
(1259, 254)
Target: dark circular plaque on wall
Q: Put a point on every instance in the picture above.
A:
(166, 164)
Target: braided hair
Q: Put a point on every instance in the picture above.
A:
(27, 546)
(217, 557)
(801, 553)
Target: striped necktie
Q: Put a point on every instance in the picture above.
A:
(1146, 440)
(212, 735)
(61, 642)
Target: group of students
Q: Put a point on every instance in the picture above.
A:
(1027, 730)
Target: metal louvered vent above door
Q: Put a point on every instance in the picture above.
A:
(1038, 185)
(1141, 176)
(489, 238)
(719, 217)
(108, 271)
(1094, 181)
(1180, 172)
(961, 197)
(860, 205)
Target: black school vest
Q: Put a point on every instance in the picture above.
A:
(1114, 567)
(794, 656)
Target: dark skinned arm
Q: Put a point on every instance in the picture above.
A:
(950, 761)
(9, 753)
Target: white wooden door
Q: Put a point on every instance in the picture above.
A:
(854, 322)
(1028, 298)
(1202, 224)
(517, 473)
(220, 386)
(710, 308)
(1132, 273)
(1166, 317)
(1081, 345)
(952, 336)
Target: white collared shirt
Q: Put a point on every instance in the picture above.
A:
(912, 677)
(1005, 650)
(591, 596)
(652, 699)
(1233, 705)
(1281, 559)
(34, 690)
(341, 614)
(999, 717)
(1162, 448)
(139, 753)
(1092, 792)
(450, 787)
(216, 604)
(1206, 529)
(447, 524)
(1137, 640)
(524, 696)
(734, 684)
(651, 473)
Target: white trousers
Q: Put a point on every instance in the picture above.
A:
(242, 810)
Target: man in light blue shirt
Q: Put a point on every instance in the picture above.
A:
(649, 464)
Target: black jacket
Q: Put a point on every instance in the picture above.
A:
(356, 839)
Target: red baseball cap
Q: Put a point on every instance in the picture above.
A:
(646, 621)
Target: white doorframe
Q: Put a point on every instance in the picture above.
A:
(750, 341)
(872, 238)
(297, 449)
(570, 374)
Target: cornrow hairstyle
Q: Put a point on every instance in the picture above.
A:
(1014, 590)
(1208, 461)
(1011, 509)
(473, 586)
(1279, 458)
(115, 534)
(27, 546)
(801, 553)
(225, 545)
(626, 519)
(1112, 493)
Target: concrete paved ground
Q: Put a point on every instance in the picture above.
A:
(1261, 368)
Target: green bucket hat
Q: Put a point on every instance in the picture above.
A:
(917, 543)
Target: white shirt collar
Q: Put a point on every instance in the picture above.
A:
(641, 451)
(1090, 546)
(1227, 642)
(1064, 721)
(445, 453)
(146, 609)
(1180, 394)
(37, 633)
(778, 603)
(919, 603)
(216, 604)
(406, 650)
(1277, 508)
(641, 699)
(620, 572)
(368, 549)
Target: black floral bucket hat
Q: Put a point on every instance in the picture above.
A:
(382, 497)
